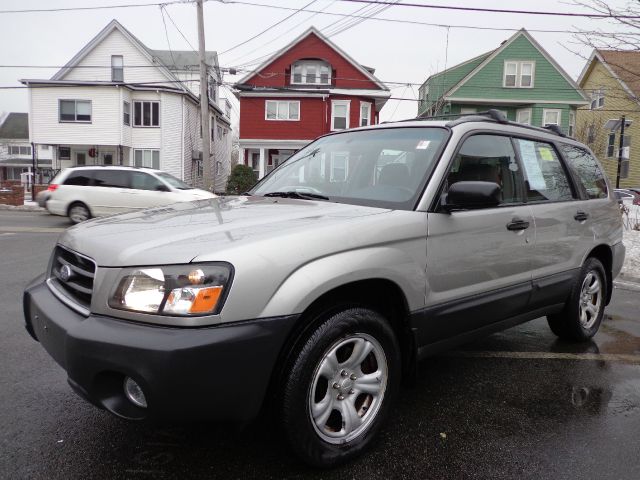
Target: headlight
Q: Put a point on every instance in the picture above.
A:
(177, 290)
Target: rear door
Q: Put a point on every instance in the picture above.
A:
(478, 269)
(109, 193)
(562, 223)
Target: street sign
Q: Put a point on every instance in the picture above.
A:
(624, 153)
(624, 169)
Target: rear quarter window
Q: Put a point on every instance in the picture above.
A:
(590, 176)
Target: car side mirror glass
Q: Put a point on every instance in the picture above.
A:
(471, 195)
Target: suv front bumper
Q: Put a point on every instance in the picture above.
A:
(218, 373)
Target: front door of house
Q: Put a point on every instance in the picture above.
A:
(81, 158)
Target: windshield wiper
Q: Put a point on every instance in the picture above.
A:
(295, 194)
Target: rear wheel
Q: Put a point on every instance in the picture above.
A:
(79, 212)
(583, 312)
(339, 387)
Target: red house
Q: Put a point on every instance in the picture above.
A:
(309, 88)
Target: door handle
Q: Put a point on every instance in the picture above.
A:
(581, 216)
(517, 224)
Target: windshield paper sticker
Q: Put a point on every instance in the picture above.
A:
(423, 144)
(531, 165)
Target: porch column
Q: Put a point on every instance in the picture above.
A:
(263, 155)
(241, 157)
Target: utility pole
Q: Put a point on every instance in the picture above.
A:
(622, 122)
(204, 105)
(33, 172)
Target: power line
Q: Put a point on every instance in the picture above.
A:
(268, 28)
(281, 35)
(428, 24)
(498, 10)
(166, 34)
(178, 28)
(95, 7)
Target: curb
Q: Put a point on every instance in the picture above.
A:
(22, 208)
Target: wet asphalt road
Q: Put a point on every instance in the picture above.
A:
(518, 404)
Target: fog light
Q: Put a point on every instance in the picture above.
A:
(134, 392)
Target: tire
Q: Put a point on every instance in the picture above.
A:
(332, 372)
(78, 212)
(582, 314)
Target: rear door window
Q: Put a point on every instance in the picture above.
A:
(545, 178)
(585, 166)
(80, 178)
(111, 178)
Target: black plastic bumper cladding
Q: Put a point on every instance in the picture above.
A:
(217, 373)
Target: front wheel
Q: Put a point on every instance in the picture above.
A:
(340, 386)
(583, 312)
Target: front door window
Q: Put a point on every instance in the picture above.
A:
(81, 158)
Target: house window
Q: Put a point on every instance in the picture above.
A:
(146, 158)
(524, 116)
(340, 114)
(219, 132)
(551, 117)
(611, 145)
(591, 133)
(365, 114)
(310, 73)
(17, 150)
(44, 147)
(117, 68)
(126, 113)
(518, 74)
(74, 110)
(64, 153)
(339, 166)
(282, 110)
(146, 114)
(572, 124)
(597, 99)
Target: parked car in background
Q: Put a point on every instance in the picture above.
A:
(635, 191)
(316, 292)
(84, 192)
(625, 197)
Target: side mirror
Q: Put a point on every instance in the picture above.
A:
(162, 188)
(470, 195)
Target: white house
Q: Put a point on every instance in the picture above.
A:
(118, 102)
(16, 155)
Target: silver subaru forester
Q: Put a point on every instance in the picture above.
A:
(316, 292)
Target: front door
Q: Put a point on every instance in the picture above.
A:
(81, 158)
(478, 266)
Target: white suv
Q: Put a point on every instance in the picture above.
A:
(84, 192)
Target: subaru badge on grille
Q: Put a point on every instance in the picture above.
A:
(65, 273)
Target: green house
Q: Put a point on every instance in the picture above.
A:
(519, 78)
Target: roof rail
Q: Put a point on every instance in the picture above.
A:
(555, 129)
(491, 115)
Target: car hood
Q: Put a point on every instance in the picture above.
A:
(182, 232)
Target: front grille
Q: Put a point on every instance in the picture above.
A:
(72, 274)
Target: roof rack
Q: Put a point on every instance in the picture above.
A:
(491, 115)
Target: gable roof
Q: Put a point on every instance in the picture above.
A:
(366, 71)
(166, 60)
(622, 65)
(15, 125)
(502, 47)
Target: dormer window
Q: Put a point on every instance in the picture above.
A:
(310, 72)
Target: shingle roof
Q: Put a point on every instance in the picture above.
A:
(16, 125)
(626, 65)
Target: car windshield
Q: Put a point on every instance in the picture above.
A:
(173, 181)
(386, 167)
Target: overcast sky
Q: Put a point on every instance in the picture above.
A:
(399, 52)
